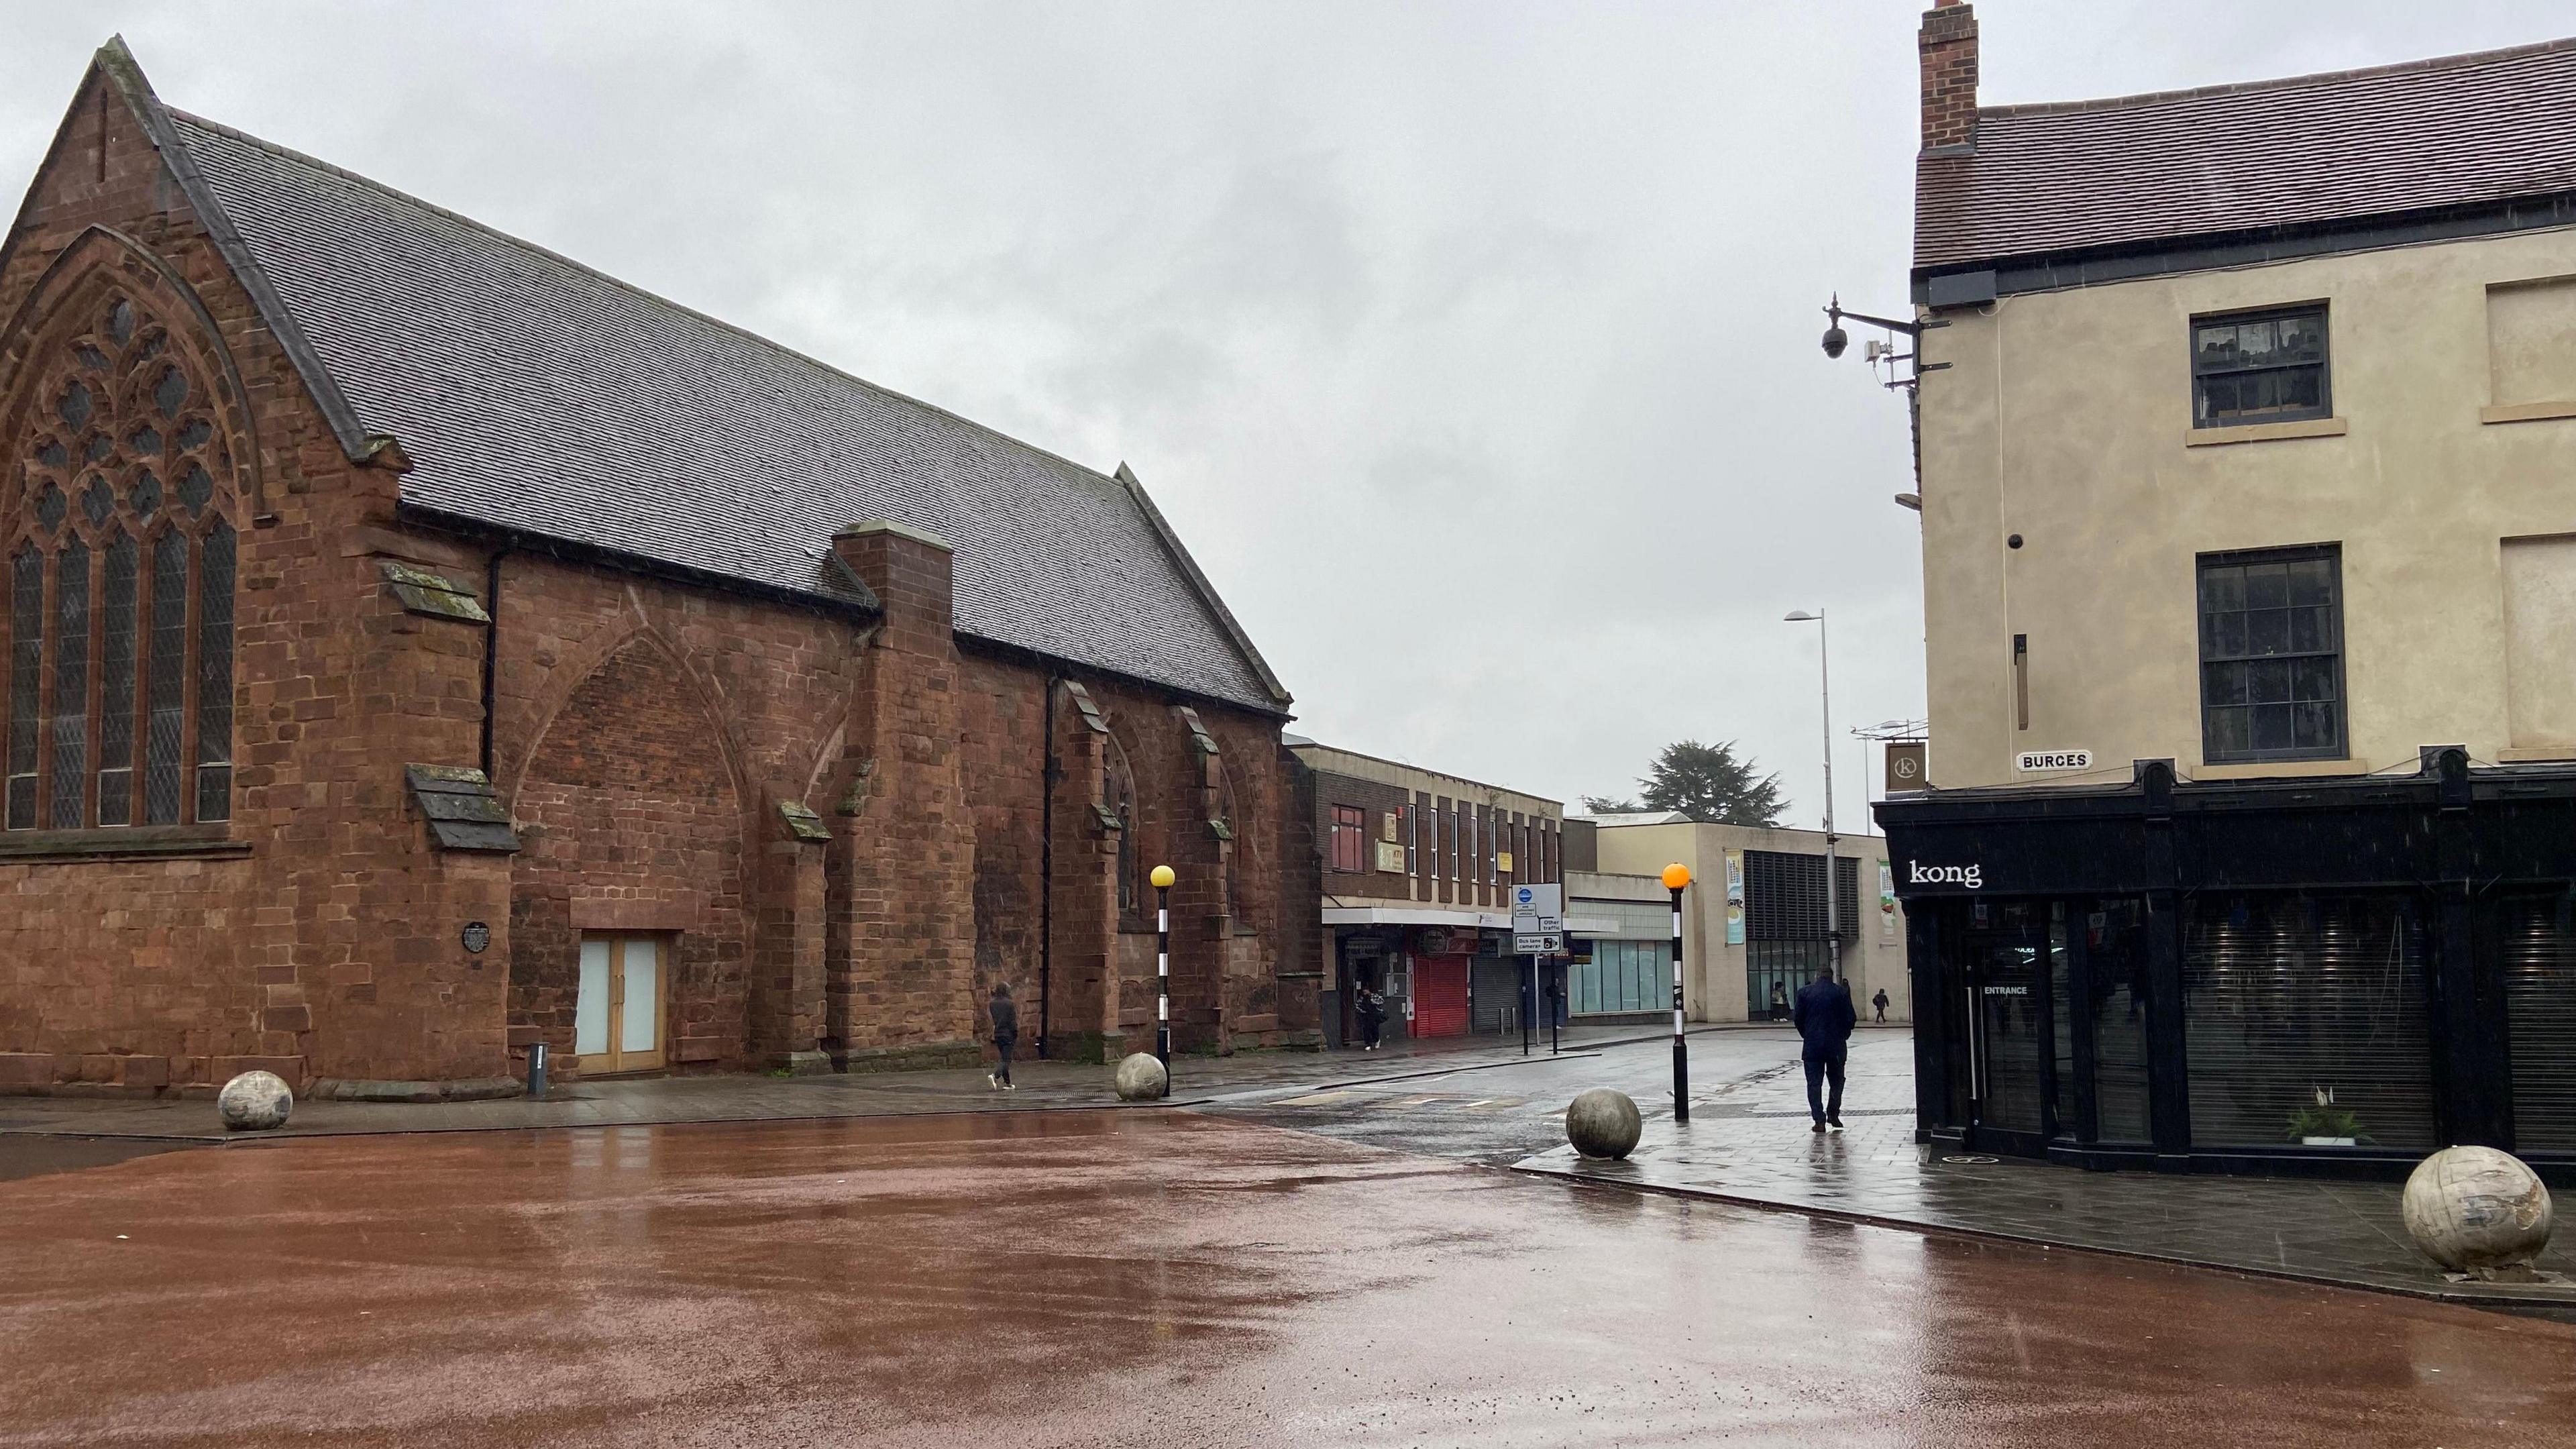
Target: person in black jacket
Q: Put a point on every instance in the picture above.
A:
(1006, 1035)
(1824, 1017)
(1372, 1018)
(1879, 1002)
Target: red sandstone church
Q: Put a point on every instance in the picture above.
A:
(420, 646)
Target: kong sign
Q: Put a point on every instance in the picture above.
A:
(1971, 876)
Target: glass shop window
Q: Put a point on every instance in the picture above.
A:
(2115, 938)
(2306, 1021)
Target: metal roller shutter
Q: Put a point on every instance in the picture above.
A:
(2285, 996)
(2539, 941)
(1440, 995)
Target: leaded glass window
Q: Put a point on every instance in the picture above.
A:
(71, 685)
(215, 675)
(120, 608)
(26, 681)
(116, 685)
(167, 680)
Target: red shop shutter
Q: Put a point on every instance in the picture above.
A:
(1440, 996)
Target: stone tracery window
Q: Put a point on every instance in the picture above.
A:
(120, 555)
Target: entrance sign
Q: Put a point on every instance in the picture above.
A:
(2042, 762)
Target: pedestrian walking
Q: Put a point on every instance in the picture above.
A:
(1824, 1018)
(1006, 1034)
(1372, 1018)
(1879, 1002)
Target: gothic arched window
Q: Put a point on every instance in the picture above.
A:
(1118, 794)
(120, 552)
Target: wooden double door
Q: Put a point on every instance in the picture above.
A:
(620, 1020)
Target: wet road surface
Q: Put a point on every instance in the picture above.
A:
(1498, 1115)
(1136, 1278)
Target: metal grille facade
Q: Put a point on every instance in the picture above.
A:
(1784, 896)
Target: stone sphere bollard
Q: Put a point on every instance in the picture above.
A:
(1603, 1123)
(255, 1102)
(2475, 1210)
(1141, 1078)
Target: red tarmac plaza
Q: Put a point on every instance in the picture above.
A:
(1137, 1277)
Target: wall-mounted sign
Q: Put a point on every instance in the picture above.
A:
(1390, 857)
(477, 937)
(1971, 876)
(1503, 861)
(1386, 826)
(2042, 762)
(2008, 991)
(1907, 765)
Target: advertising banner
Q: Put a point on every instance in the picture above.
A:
(1886, 901)
(1735, 897)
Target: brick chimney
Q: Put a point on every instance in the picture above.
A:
(1949, 46)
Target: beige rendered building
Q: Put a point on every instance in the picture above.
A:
(1754, 918)
(2247, 429)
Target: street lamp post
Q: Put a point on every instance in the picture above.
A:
(1676, 877)
(1162, 879)
(1825, 682)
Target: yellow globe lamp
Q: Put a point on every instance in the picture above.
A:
(1162, 877)
(1676, 876)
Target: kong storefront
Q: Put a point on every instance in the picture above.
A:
(2328, 976)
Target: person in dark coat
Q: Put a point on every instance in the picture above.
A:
(1372, 1018)
(1879, 1002)
(1006, 1034)
(1824, 1017)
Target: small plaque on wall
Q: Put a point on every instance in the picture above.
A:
(477, 937)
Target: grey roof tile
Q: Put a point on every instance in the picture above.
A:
(536, 394)
(2313, 150)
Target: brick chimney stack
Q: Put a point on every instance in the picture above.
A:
(1949, 47)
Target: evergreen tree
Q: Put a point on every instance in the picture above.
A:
(1709, 784)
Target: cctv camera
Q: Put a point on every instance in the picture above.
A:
(1835, 341)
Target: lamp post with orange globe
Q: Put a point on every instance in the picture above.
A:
(1677, 877)
(1162, 878)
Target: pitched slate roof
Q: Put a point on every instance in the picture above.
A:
(535, 394)
(2233, 160)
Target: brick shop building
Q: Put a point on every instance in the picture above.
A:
(420, 646)
(1414, 870)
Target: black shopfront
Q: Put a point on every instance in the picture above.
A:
(2330, 976)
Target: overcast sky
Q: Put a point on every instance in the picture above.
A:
(1471, 348)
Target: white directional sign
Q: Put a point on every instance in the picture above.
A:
(1538, 900)
(1538, 943)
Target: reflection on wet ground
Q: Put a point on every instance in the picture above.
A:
(1071, 1278)
(34, 1156)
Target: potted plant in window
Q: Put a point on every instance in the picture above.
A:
(2323, 1124)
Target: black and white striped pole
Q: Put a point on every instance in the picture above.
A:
(1162, 879)
(1677, 876)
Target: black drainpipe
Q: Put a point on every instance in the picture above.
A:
(1046, 864)
(491, 654)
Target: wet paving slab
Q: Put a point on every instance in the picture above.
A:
(1749, 1142)
(1135, 1278)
